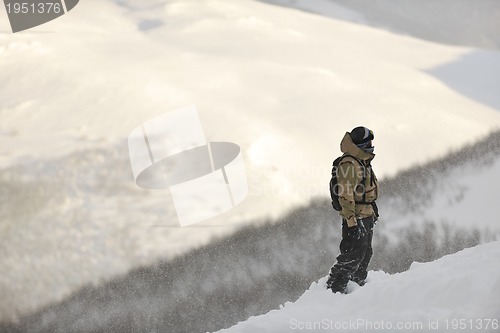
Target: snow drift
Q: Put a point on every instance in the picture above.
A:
(458, 291)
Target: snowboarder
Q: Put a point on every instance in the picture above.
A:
(357, 191)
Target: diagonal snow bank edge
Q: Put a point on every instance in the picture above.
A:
(461, 288)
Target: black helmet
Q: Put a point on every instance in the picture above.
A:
(361, 135)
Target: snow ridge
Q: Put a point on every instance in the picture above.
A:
(459, 290)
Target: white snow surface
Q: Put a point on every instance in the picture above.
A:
(283, 84)
(464, 198)
(324, 7)
(459, 290)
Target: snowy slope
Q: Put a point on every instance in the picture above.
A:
(459, 191)
(287, 84)
(282, 84)
(444, 21)
(274, 75)
(462, 199)
(459, 290)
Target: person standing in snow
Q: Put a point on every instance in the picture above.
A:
(357, 191)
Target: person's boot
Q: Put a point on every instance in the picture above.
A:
(337, 283)
(360, 277)
(337, 288)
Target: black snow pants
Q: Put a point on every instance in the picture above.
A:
(352, 262)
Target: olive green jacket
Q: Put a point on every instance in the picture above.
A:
(350, 176)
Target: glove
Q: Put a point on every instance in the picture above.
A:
(358, 231)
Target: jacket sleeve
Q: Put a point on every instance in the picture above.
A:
(347, 180)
